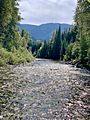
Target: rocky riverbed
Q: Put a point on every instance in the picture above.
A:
(44, 90)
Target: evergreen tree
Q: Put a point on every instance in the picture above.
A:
(9, 16)
(68, 56)
(43, 51)
(56, 45)
(82, 19)
(25, 40)
(35, 46)
(5, 17)
(12, 47)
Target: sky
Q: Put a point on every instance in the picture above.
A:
(47, 11)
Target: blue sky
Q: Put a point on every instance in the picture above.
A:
(47, 11)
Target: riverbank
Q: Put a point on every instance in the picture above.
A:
(78, 64)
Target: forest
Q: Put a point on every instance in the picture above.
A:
(44, 80)
(71, 46)
(13, 43)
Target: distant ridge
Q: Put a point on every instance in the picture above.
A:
(43, 31)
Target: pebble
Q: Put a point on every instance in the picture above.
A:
(44, 90)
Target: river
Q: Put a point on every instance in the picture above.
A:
(44, 90)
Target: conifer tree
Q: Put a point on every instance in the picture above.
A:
(82, 19)
(9, 16)
(56, 45)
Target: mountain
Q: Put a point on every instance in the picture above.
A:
(44, 31)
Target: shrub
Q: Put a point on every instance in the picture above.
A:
(16, 57)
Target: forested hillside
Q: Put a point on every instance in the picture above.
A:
(73, 45)
(43, 31)
(79, 51)
(13, 44)
(69, 45)
(56, 47)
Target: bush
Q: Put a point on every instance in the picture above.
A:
(2, 62)
(76, 50)
(16, 57)
(68, 56)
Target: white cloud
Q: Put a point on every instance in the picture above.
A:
(42, 11)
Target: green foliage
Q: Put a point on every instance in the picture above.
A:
(35, 46)
(22, 56)
(14, 44)
(83, 49)
(25, 39)
(52, 48)
(68, 55)
(8, 18)
(56, 45)
(5, 57)
(56, 48)
(82, 19)
(88, 54)
(72, 51)
(79, 47)
(15, 57)
(43, 51)
(76, 50)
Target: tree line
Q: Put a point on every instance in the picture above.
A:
(13, 43)
(72, 45)
(56, 47)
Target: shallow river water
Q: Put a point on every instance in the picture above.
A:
(44, 90)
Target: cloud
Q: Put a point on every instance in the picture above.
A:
(47, 11)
